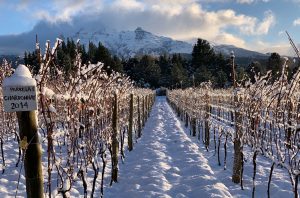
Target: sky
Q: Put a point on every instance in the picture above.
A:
(258, 25)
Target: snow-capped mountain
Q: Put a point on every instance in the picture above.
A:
(131, 43)
(238, 52)
(124, 44)
(121, 43)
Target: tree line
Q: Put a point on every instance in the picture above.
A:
(172, 71)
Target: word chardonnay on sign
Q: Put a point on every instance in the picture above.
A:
(19, 98)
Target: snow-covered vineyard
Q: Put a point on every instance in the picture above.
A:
(101, 136)
(83, 126)
(259, 119)
(263, 119)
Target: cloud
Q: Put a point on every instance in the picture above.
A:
(283, 48)
(225, 38)
(23, 5)
(261, 28)
(179, 19)
(296, 22)
(264, 26)
(65, 11)
(128, 5)
(245, 1)
(280, 33)
(251, 1)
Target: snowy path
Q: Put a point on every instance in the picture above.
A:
(166, 163)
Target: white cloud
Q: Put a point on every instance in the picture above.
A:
(296, 22)
(179, 19)
(128, 4)
(283, 48)
(280, 33)
(261, 28)
(23, 4)
(245, 1)
(65, 11)
(250, 1)
(264, 26)
(225, 38)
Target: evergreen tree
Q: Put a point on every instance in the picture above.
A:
(165, 68)
(202, 55)
(130, 65)
(31, 61)
(71, 49)
(178, 74)
(220, 70)
(221, 79)
(255, 68)
(146, 72)
(202, 75)
(92, 53)
(103, 55)
(275, 64)
(63, 58)
(117, 64)
(84, 55)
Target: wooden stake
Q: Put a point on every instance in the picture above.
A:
(130, 146)
(33, 156)
(115, 142)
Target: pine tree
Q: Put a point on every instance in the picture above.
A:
(202, 55)
(165, 67)
(92, 52)
(275, 64)
(255, 68)
(178, 73)
(203, 58)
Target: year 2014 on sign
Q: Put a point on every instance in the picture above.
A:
(19, 98)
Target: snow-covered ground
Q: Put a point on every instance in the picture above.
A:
(166, 162)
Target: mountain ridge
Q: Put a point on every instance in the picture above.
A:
(124, 44)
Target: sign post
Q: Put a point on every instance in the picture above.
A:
(19, 95)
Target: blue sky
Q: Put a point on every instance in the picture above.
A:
(253, 24)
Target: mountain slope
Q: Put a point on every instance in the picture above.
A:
(124, 44)
(130, 43)
(238, 52)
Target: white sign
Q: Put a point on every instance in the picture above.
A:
(19, 98)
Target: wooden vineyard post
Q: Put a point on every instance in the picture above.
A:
(193, 126)
(19, 95)
(146, 108)
(237, 163)
(130, 146)
(115, 142)
(139, 119)
(186, 119)
(149, 105)
(207, 114)
(144, 114)
(33, 156)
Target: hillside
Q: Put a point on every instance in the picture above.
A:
(124, 44)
